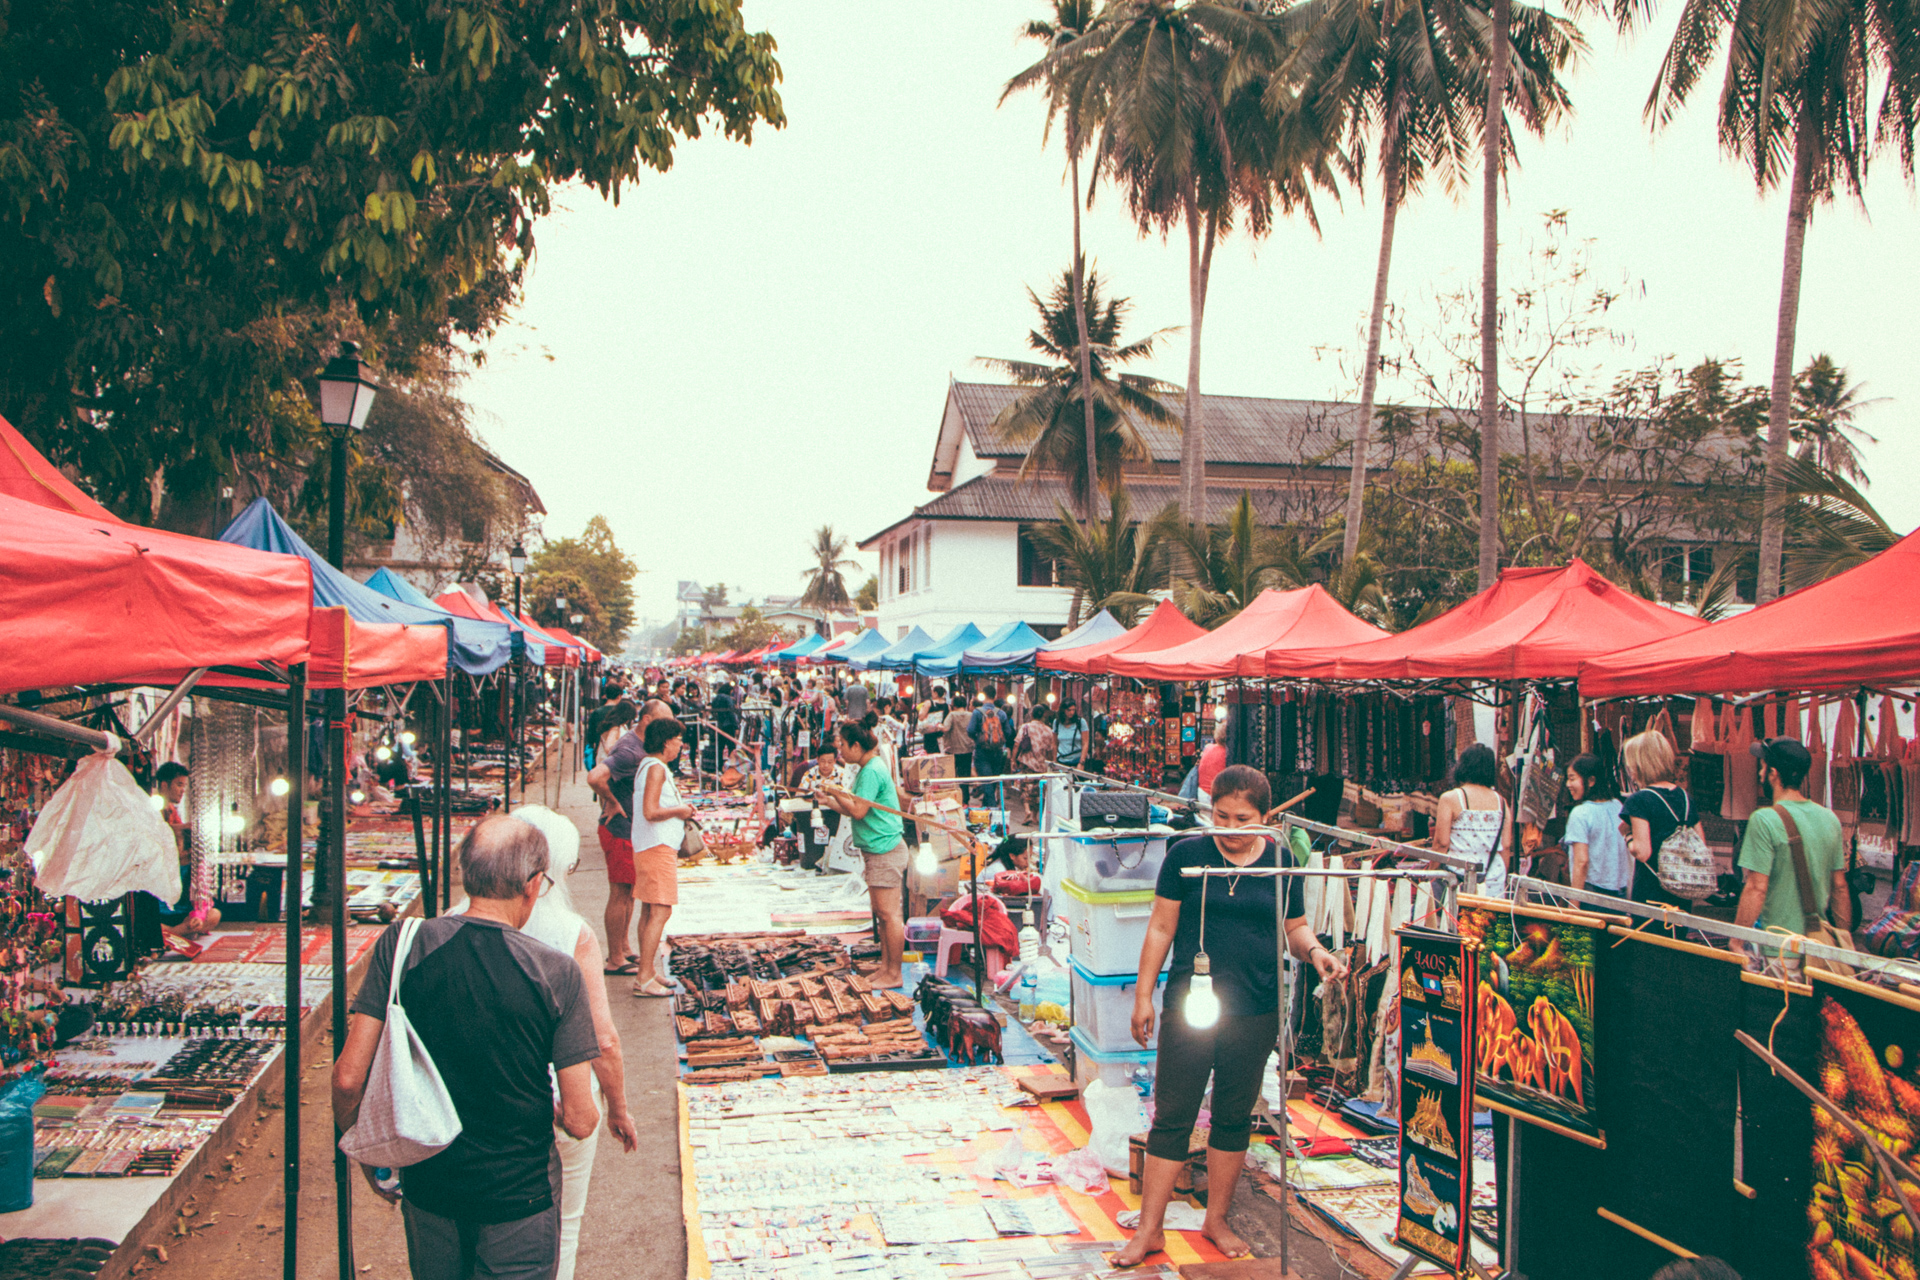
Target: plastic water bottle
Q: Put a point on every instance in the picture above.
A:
(1029, 1003)
(1029, 937)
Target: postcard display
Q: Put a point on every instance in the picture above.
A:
(1436, 1095)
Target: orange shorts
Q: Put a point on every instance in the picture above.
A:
(656, 875)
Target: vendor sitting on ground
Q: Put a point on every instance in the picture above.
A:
(194, 913)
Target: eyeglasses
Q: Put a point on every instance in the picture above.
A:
(546, 888)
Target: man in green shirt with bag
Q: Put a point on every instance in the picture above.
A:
(1773, 897)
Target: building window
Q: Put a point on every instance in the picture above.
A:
(1037, 569)
(926, 569)
(903, 558)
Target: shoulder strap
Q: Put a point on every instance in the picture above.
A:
(404, 945)
(1662, 793)
(1798, 848)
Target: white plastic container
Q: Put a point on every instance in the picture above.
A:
(1103, 1009)
(1115, 1069)
(1115, 863)
(1105, 931)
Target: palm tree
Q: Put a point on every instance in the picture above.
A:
(1798, 83)
(1831, 527)
(1048, 419)
(1824, 405)
(1112, 564)
(1180, 89)
(1501, 35)
(1229, 564)
(1071, 20)
(826, 587)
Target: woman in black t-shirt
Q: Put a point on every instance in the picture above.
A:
(1655, 811)
(1242, 950)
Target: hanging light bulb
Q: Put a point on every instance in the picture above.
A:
(231, 822)
(925, 862)
(357, 796)
(1052, 698)
(279, 786)
(1202, 1007)
(383, 753)
(407, 737)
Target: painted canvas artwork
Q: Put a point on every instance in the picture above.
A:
(1857, 1227)
(1533, 1017)
(1436, 1120)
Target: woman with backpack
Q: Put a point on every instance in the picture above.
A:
(1471, 819)
(1655, 812)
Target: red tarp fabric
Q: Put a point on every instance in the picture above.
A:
(1861, 627)
(85, 600)
(457, 601)
(1164, 628)
(1532, 624)
(1276, 620)
(26, 474)
(363, 655)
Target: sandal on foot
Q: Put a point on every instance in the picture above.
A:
(640, 990)
(630, 967)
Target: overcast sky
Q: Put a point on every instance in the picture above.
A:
(759, 341)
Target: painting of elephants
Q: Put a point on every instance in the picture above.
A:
(1533, 1023)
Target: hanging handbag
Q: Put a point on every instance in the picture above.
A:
(693, 841)
(1815, 924)
(406, 1113)
(1684, 863)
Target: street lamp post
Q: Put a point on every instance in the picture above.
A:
(347, 391)
(516, 695)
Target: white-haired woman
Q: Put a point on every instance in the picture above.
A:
(555, 923)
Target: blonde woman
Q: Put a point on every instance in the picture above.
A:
(1658, 807)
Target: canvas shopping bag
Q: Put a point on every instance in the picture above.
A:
(406, 1114)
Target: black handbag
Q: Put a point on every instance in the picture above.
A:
(1102, 808)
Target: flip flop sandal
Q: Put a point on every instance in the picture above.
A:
(631, 966)
(644, 994)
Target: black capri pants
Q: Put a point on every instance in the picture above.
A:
(1233, 1051)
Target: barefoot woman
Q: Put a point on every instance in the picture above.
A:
(1243, 952)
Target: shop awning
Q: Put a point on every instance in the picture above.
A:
(1861, 627)
(1164, 628)
(462, 605)
(798, 649)
(585, 647)
(865, 645)
(1532, 624)
(900, 653)
(348, 654)
(475, 648)
(559, 652)
(1306, 617)
(951, 645)
(826, 651)
(1013, 645)
(86, 600)
(1098, 629)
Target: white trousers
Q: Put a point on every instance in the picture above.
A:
(576, 1171)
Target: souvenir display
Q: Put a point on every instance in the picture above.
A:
(1436, 1098)
(1868, 1055)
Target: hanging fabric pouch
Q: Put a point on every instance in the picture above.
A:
(406, 1114)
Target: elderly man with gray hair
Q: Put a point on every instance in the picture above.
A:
(495, 1009)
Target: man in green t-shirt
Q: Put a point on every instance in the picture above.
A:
(874, 806)
(1771, 899)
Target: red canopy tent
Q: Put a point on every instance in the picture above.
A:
(592, 654)
(1164, 628)
(1861, 627)
(1532, 624)
(457, 601)
(1276, 620)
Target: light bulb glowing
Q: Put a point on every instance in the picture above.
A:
(1202, 1008)
(383, 754)
(1052, 698)
(279, 786)
(232, 823)
(408, 737)
(157, 800)
(358, 796)
(925, 862)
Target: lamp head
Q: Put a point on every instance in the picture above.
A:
(517, 559)
(347, 390)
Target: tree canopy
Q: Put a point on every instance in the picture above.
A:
(593, 558)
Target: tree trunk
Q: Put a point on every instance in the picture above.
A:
(1773, 521)
(1490, 299)
(1193, 435)
(1369, 379)
(1088, 510)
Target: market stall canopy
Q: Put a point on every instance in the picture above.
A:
(951, 645)
(1098, 629)
(1532, 624)
(89, 601)
(864, 646)
(559, 652)
(26, 474)
(1164, 628)
(1011, 646)
(1306, 617)
(798, 649)
(900, 652)
(1861, 627)
(463, 604)
(394, 587)
(348, 654)
(473, 648)
(826, 652)
(584, 646)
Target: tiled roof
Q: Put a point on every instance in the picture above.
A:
(998, 497)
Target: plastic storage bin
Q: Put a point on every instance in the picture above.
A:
(1115, 1069)
(1103, 1008)
(1115, 864)
(1105, 931)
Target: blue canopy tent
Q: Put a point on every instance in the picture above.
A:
(1011, 646)
(951, 645)
(1098, 629)
(544, 638)
(869, 643)
(476, 647)
(798, 649)
(394, 587)
(898, 655)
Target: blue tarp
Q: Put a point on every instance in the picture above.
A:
(951, 645)
(798, 649)
(1011, 646)
(1098, 629)
(869, 643)
(477, 648)
(899, 654)
(394, 587)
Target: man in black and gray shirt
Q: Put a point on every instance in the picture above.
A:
(495, 1010)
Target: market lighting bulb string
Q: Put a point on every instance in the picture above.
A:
(1202, 1006)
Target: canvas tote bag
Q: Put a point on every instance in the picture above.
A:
(406, 1114)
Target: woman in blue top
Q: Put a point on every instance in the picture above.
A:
(878, 833)
(1242, 951)
(1597, 857)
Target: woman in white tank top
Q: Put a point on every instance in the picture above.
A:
(1471, 821)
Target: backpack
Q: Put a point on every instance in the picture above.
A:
(1684, 863)
(993, 732)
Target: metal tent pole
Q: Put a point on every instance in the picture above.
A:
(290, 894)
(337, 731)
